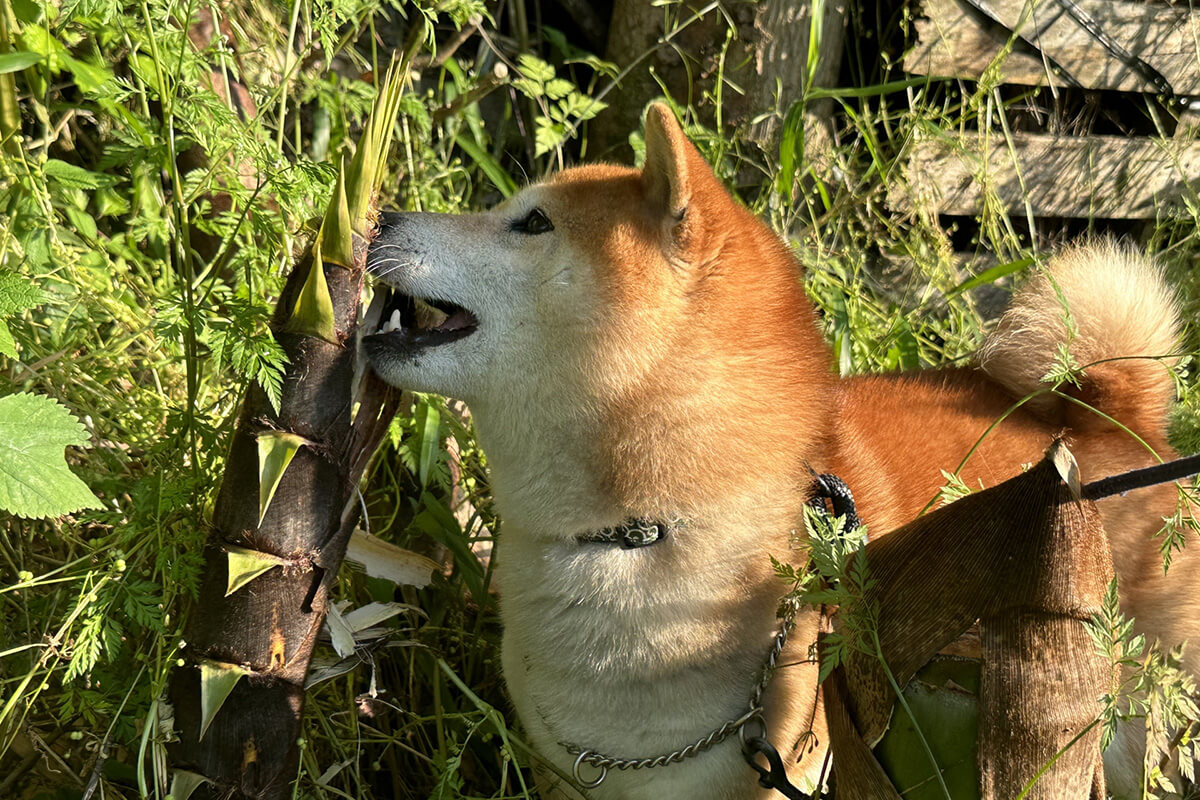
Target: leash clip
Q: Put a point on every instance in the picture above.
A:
(774, 775)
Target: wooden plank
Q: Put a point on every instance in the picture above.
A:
(953, 41)
(1060, 176)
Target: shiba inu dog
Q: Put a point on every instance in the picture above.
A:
(635, 346)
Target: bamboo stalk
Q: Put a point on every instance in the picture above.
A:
(273, 554)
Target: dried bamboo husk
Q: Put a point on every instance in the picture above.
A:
(1028, 560)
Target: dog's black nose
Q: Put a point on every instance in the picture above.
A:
(389, 219)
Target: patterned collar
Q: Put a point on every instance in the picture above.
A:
(631, 534)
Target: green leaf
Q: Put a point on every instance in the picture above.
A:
(183, 784)
(8, 346)
(558, 88)
(244, 564)
(486, 162)
(370, 158)
(428, 421)
(34, 478)
(535, 69)
(945, 704)
(990, 275)
(88, 77)
(313, 313)
(275, 451)
(217, 680)
(17, 294)
(82, 222)
(74, 177)
(12, 62)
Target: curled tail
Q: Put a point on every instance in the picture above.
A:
(1121, 309)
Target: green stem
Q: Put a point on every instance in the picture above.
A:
(10, 113)
(937, 771)
(1046, 767)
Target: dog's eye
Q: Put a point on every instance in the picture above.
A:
(535, 222)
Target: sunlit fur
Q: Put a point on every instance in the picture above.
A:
(655, 355)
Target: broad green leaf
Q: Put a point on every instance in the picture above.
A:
(34, 478)
(382, 559)
(245, 565)
(337, 235)
(991, 275)
(429, 427)
(12, 62)
(17, 294)
(313, 313)
(945, 704)
(183, 784)
(438, 521)
(217, 680)
(89, 77)
(486, 162)
(275, 451)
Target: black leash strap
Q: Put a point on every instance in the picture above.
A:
(833, 490)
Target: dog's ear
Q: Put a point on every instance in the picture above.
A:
(666, 176)
(677, 182)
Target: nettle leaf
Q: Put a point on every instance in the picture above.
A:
(18, 293)
(34, 478)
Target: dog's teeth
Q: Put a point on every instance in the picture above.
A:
(393, 323)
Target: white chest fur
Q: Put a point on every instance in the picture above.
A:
(635, 653)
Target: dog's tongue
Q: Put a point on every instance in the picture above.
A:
(460, 319)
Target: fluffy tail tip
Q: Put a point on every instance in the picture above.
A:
(1111, 308)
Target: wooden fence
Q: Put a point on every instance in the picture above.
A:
(1147, 48)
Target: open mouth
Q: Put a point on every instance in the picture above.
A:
(412, 322)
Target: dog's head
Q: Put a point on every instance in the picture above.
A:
(585, 280)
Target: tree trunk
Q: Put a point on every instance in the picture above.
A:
(767, 58)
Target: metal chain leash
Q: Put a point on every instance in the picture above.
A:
(604, 762)
(774, 776)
